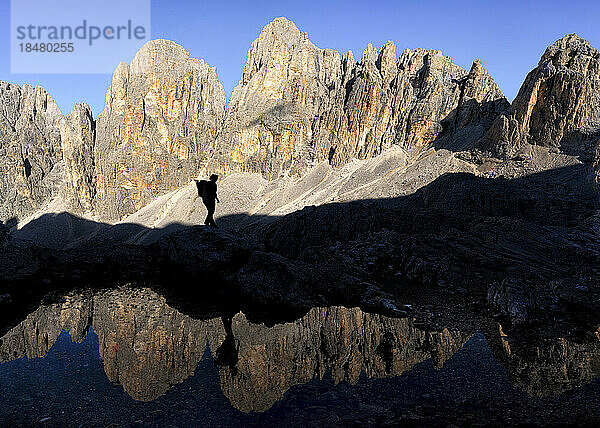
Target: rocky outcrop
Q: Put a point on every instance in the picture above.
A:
(558, 105)
(30, 149)
(78, 134)
(297, 104)
(162, 113)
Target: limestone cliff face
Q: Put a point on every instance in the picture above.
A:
(346, 341)
(78, 134)
(162, 113)
(297, 104)
(30, 150)
(558, 105)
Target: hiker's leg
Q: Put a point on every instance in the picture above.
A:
(207, 219)
(210, 207)
(212, 218)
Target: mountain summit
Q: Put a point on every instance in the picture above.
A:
(558, 105)
(297, 105)
(162, 114)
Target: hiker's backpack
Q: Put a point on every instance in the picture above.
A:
(202, 186)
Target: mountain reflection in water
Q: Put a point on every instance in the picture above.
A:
(148, 347)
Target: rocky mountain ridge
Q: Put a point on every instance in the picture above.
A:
(297, 105)
(165, 120)
(30, 149)
(558, 105)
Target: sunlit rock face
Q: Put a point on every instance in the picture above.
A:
(297, 104)
(345, 341)
(78, 133)
(558, 105)
(161, 114)
(547, 367)
(30, 150)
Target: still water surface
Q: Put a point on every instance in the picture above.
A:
(126, 358)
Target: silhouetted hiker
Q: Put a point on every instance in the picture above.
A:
(207, 190)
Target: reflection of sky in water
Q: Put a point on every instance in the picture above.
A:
(69, 384)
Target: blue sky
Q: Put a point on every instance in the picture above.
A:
(508, 36)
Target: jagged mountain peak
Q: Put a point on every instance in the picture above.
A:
(563, 52)
(159, 53)
(297, 105)
(423, 52)
(162, 47)
(558, 104)
(477, 67)
(77, 134)
(426, 61)
(280, 32)
(349, 57)
(30, 148)
(570, 41)
(161, 116)
(370, 54)
(388, 50)
(278, 40)
(387, 62)
(281, 27)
